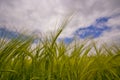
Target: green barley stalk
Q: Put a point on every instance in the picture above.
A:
(53, 60)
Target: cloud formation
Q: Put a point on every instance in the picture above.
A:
(42, 15)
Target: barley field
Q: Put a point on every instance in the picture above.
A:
(53, 60)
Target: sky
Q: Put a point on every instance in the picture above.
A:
(99, 19)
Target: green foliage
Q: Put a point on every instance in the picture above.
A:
(52, 60)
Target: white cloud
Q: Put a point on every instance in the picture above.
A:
(110, 37)
(42, 15)
(114, 22)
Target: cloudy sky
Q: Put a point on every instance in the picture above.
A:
(99, 19)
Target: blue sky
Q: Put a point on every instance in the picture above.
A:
(99, 19)
(93, 30)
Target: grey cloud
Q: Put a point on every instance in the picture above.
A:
(43, 14)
